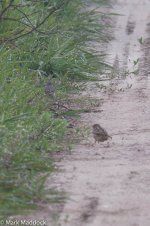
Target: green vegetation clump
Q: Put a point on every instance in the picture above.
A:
(39, 41)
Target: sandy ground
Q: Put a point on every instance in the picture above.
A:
(110, 186)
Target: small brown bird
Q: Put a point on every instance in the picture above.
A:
(100, 134)
(49, 89)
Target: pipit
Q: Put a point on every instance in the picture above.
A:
(100, 134)
(49, 89)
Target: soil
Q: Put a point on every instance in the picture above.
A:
(109, 184)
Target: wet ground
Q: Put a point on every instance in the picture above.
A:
(110, 185)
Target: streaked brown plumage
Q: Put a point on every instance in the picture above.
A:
(49, 89)
(100, 134)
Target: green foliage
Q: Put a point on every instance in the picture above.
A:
(59, 45)
(28, 133)
(39, 39)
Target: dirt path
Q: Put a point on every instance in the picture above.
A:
(110, 186)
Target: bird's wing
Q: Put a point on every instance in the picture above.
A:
(103, 131)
